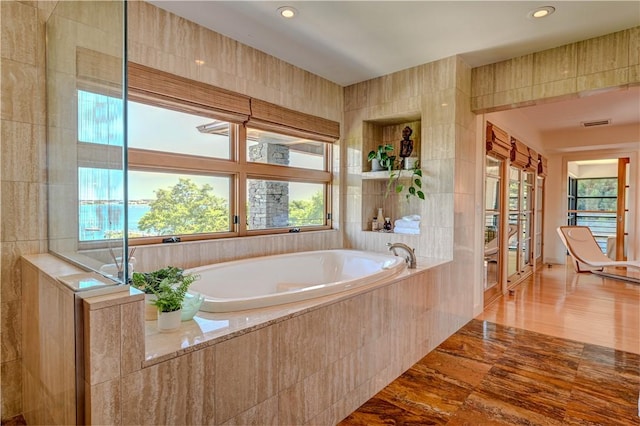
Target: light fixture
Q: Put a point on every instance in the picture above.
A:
(199, 62)
(541, 12)
(287, 12)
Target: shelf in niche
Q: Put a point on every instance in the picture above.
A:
(384, 174)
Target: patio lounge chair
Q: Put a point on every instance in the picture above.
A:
(586, 252)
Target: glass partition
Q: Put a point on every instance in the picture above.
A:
(86, 143)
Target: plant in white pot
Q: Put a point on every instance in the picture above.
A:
(381, 158)
(169, 298)
(149, 283)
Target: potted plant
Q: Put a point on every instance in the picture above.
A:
(149, 283)
(381, 158)
(413, 188)
(169, 298)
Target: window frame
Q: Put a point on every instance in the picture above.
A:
(237, 168)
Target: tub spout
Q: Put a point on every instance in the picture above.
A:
(411, 255)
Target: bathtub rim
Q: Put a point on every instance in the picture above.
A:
(312, 292)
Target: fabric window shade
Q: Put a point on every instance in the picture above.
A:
(497, 141)
(542, 166)
(274, 118)
(145, 82)
(532, 166)
(519, 154)
(97, 71)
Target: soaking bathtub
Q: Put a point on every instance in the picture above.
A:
(274, 280)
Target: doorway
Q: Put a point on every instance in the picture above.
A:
(598, 197)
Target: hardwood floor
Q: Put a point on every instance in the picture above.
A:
(563, 349)
(585, 307)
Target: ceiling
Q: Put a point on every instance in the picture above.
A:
(351, 41)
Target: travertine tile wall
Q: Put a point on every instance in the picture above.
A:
(22, 175)
(607, 61)
(314, 368)
(49, 359)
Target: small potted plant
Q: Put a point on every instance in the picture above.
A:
(149, 283)
(169, 298)
(381, 158)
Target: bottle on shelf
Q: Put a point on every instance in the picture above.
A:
(374, 224)
(387, 224)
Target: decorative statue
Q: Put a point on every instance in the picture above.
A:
(406, 144)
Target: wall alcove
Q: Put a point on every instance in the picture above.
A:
(375, 192)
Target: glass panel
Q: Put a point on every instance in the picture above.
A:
(175, 204)
(512, 260)
(606, 204)
(100, 119)
(100, 209)
(493, 179)
(600, 187)
(492, 196)
(86, 141)
(282, 150)
(493, 167)
(281, 204)
(162, 129)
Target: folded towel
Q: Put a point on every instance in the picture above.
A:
(408, 224)
(406, 231)
(411, 217)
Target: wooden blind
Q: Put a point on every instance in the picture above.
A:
(532, 166)
(542, 166)
(96, 69)
(497, 141)
(155, 84)
(270, 117)
(519, 154)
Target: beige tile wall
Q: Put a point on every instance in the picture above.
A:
(22, 176)
(49, 359)
(313, 368)
(602, 62)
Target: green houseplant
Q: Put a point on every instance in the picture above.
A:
(162, 288)
(381, 159)
(413, 188)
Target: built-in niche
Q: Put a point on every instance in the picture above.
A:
(375, 191)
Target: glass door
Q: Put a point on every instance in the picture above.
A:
(539, 208)
(492, 228)
(521, 220)
(512, 233)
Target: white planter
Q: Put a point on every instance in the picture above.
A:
(169, 321)
(409, 162)
(375, 165)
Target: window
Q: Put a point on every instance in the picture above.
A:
(198, 167)
(594, 205)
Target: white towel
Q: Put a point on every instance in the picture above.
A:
(406, 231)
(407, 224)
(412, 217)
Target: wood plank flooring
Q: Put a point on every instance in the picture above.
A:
(563, 349)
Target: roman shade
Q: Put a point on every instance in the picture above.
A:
(532, 166)
(271, 117)
(519, 154)
(542, 166)
(497, 141)
(173, 91)
(98, 68)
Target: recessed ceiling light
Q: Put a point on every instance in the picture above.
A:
(541, 12)
(287, 12)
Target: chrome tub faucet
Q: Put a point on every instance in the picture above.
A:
(410, 259)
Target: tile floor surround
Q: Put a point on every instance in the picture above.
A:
(493, 374)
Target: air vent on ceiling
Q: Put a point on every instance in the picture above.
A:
(596, 123)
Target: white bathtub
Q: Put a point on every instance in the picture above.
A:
(273, 280)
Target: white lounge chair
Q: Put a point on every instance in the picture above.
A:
(586, 252)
